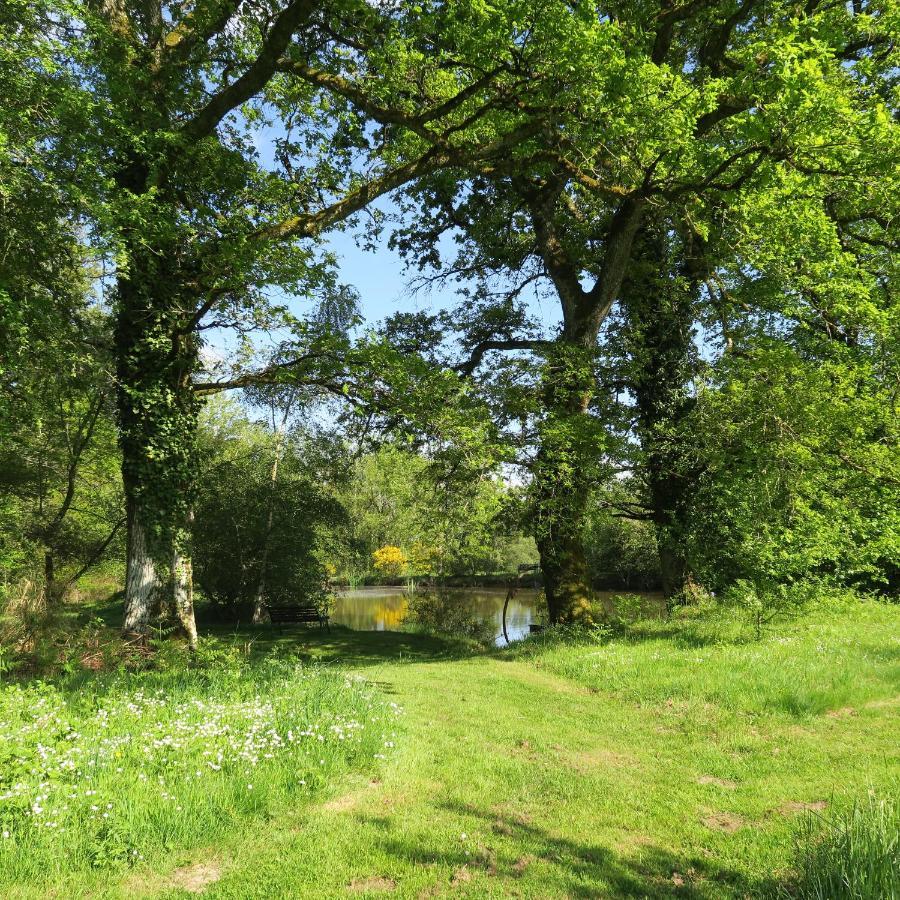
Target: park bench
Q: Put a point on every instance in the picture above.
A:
(298, 615)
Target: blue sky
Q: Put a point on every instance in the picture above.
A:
(379, 276)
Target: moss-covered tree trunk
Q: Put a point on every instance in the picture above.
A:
(571, 440)
(155, 356)
(658, 303)
(561, 481)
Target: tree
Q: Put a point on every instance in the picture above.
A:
(57, 435)
(158, 126)
(694, 115)
(444, 522)
(256, 535)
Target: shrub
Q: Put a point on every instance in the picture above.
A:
(390, 561)
(764, 602)
(452, 613)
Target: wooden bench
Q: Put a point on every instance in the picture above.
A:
(298, 615)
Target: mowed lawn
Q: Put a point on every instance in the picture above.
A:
(679, 759)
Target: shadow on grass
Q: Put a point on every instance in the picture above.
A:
(339, 645)
(562, 866)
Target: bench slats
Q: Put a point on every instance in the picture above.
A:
(289, 615)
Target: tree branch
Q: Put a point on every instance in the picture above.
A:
(256, 76)
(479, 350)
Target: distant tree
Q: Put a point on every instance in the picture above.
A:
(254, 532)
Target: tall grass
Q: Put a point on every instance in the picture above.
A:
(106, 770)
(852, 856)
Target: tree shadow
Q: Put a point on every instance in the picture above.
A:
(577, 868)
(341, 646)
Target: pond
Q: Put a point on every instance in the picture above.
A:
(385, 608)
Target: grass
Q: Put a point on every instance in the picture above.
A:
(116, 771)
(673, 760)
(855, 854)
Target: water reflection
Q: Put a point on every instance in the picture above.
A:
(385, 608)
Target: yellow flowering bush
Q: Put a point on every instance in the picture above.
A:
(390, 560)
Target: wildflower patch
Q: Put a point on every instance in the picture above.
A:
(138, 763)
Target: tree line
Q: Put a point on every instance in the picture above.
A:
(706, 192)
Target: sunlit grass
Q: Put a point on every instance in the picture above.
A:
(671, 758)
(842, 654)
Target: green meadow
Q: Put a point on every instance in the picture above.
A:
(673, 758)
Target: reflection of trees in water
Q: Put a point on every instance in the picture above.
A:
(367, 609)
(451, 612)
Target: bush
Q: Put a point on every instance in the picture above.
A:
(764, 602)
(452, 613)
(621, 553)
(390, 561)
(853, 856)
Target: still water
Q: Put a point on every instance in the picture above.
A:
(385, 608)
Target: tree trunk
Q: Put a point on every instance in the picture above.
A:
(183, 591)
(674, 570)
(260, 612)
(50, 586)
(568, 454)
(658, 301)
(566, 582)
(143, 582)
(155, 356)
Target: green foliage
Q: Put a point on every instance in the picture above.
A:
(767, 603)
(246, 521)
(450, 613)
(621, 552)
(444, 525)
(851, 855)
(802, 474)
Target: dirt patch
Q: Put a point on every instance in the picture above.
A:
(521, 864)
(196, 878)
(510, 818)
(797, 806)
(372, 883)
(722, 821)
(341, 804)
(461, 876)
(718, 782)
(842, 713)
(588, 760)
